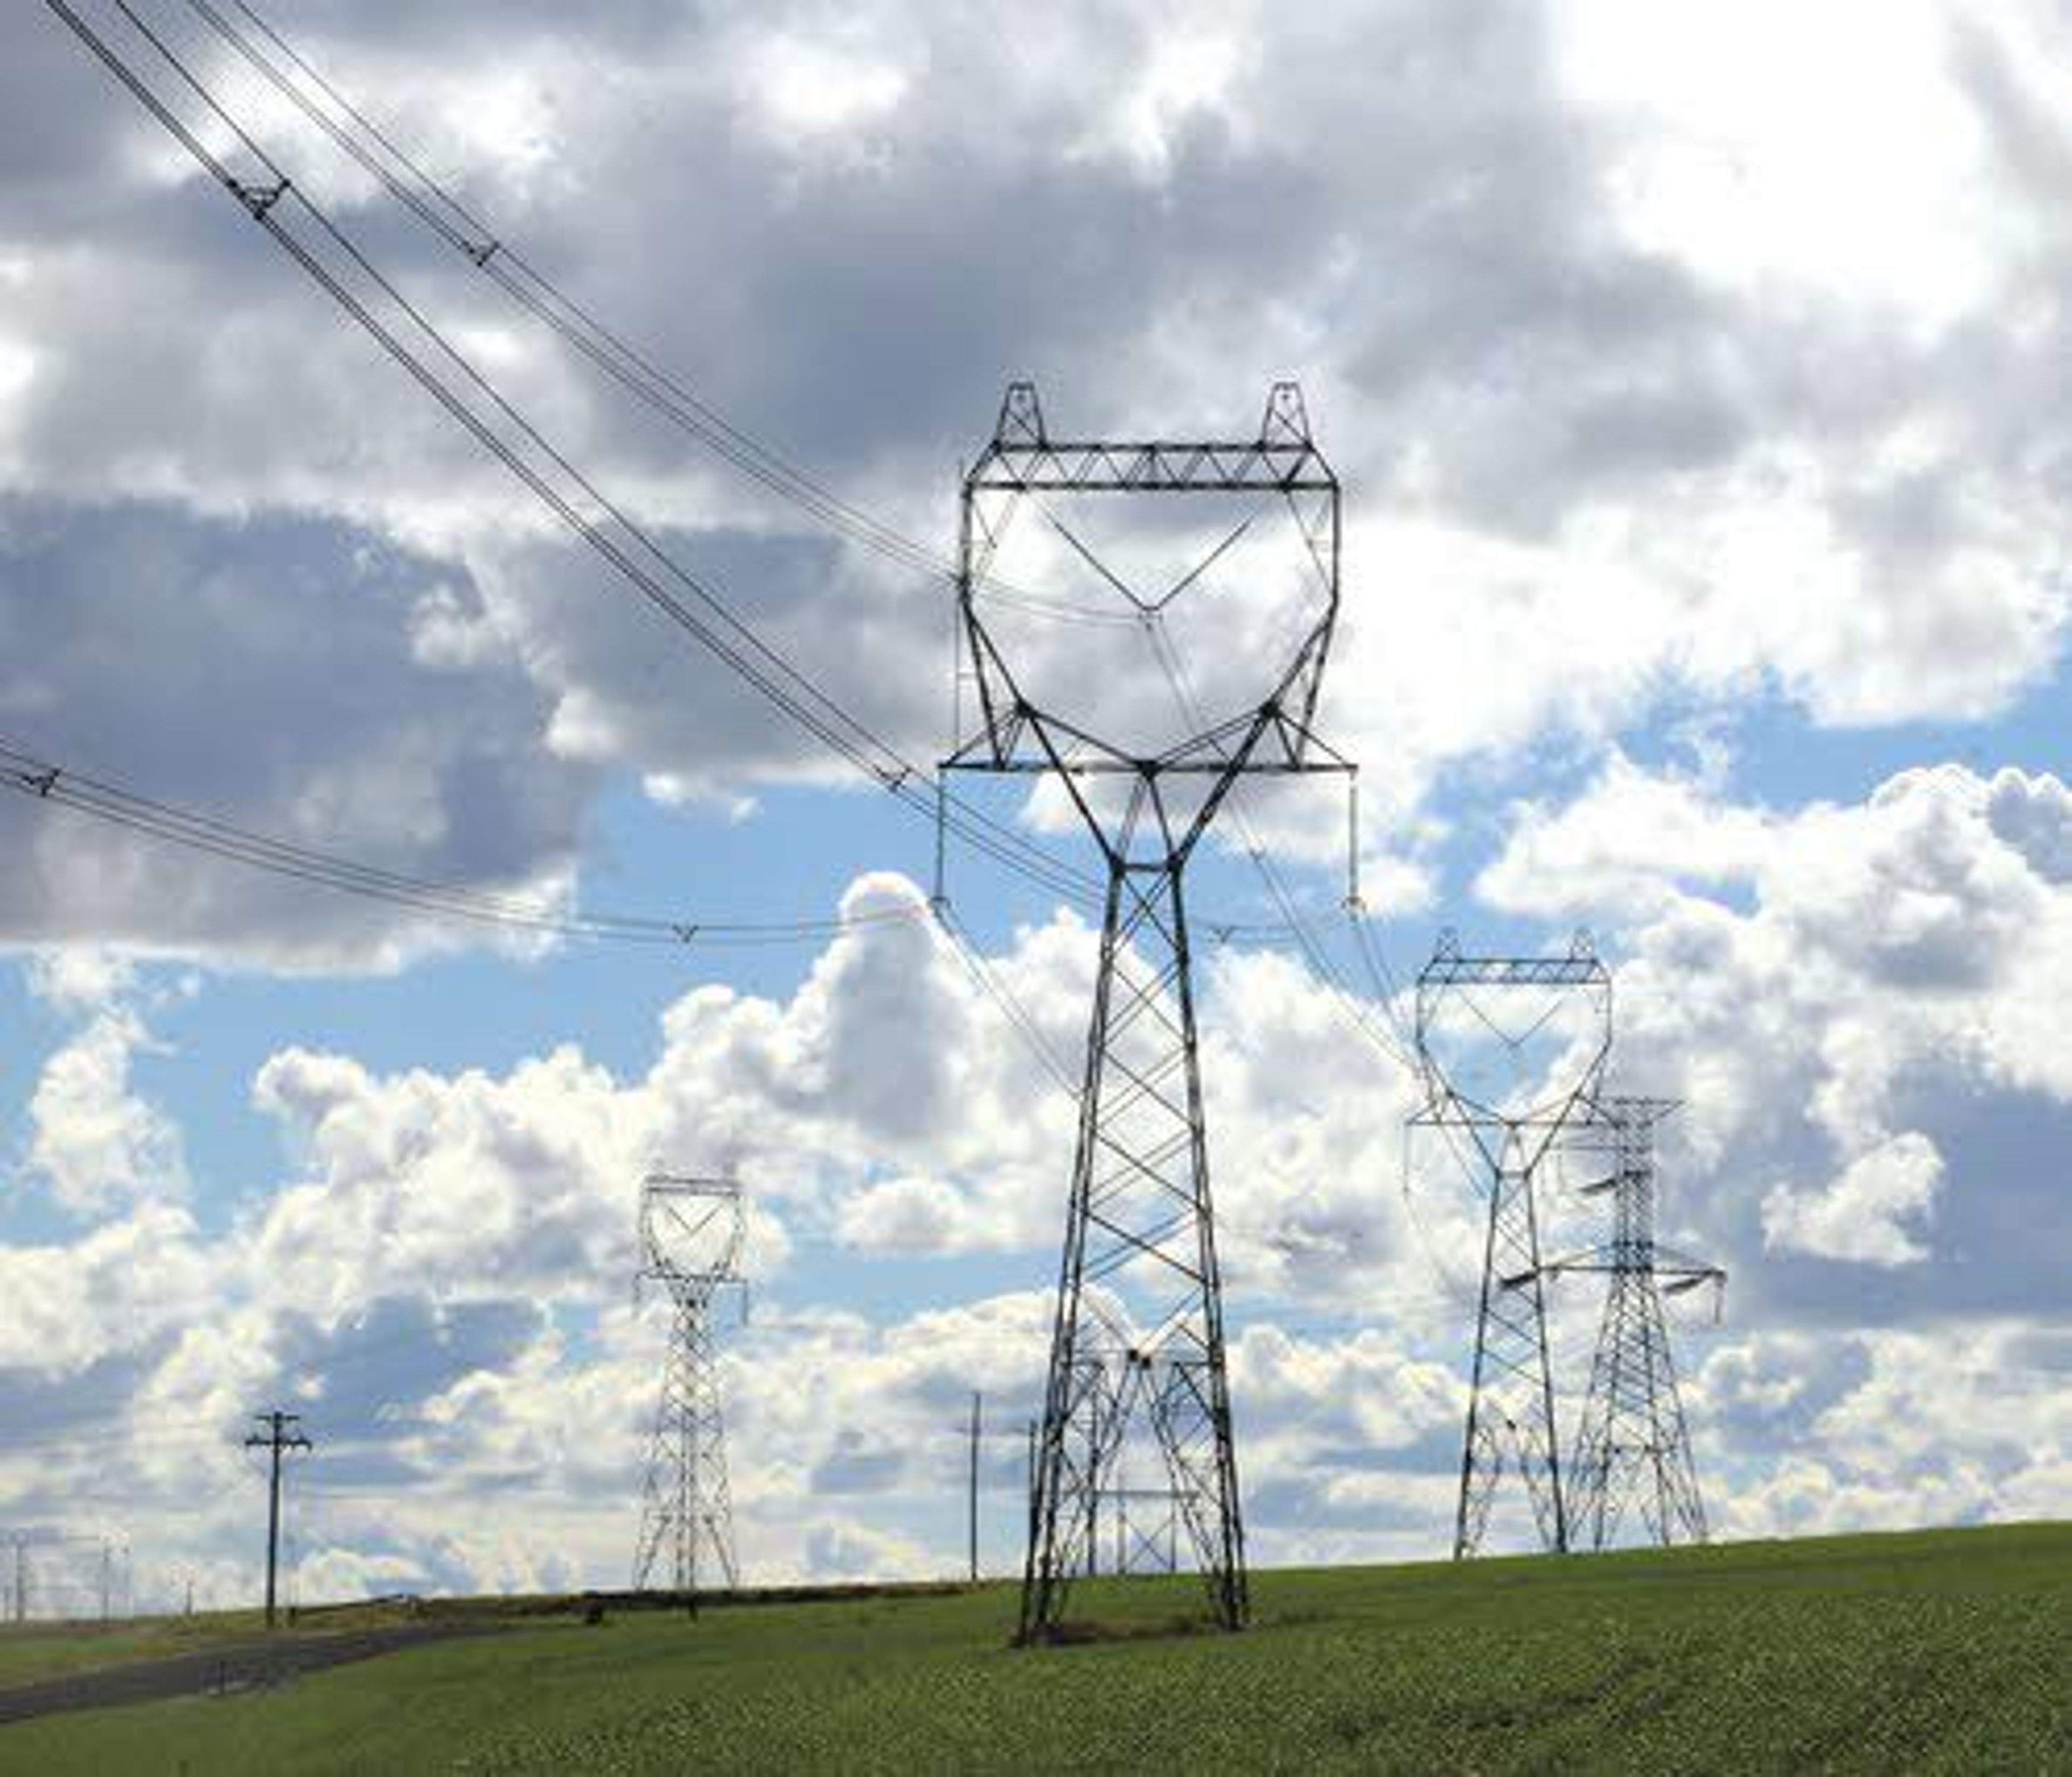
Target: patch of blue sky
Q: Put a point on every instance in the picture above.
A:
(884, 1286)
(1782, 760)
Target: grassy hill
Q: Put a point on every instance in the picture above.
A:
(1943, 1651)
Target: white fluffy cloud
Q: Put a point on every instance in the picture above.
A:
(1864, 1214)
(93, 1143)
(1652, 391)
(1860, 1028)
(440, 1283)
(1624, 846)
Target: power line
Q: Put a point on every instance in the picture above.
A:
(990, 982)
(636, 555)
(1166, 652)
(476, 404)
(464, 231)
(41, 779)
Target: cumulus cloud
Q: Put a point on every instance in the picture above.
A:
(93, 1142)
(2033, 814)
(1871, 1012)
(1642, 408)
(1623, 845)
(1686, 473)
(1863, 1214)
(440, 1282)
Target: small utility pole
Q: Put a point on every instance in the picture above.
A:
(282, 1433)
(21, 1577)
(977, 1404)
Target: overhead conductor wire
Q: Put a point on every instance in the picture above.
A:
(545, 471)
(31, 775)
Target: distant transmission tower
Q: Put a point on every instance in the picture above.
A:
(1512, 1050)
(1634, 1450)
(1137, 1355)
(691, 1232)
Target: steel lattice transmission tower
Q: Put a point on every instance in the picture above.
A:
(691, 1232)
(1512, 1050)
(1137, 1378)
(1633, 1450)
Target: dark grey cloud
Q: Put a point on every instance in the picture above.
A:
(280, 673)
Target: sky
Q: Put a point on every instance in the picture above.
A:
(1692, 375)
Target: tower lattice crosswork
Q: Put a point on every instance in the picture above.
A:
(692, 1231)
(1633, 1451)
(1512, 1050)
(1136, 1412)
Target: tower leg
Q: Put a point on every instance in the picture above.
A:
(1137, 1352)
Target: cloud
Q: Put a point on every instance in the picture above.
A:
(471, 1186)
(1862, 1215)
(908, 1214)
(440, 1282)
(1654, 396)
(93, 1143)
(2033, 816)
(1624, 846)
(1873, 1014)
(1688, 474)
(340, 716)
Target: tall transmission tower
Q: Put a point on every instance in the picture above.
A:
(1633, 1450)
(1512, 1050)
(1137, 1353)
(691, 1233)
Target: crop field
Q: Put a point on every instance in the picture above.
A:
(1944, 1650)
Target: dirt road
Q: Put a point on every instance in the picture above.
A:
(242, 1666)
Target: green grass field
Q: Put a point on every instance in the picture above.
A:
(1944, 1650)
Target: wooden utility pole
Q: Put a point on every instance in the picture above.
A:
(282, 1433)
(978, 1403)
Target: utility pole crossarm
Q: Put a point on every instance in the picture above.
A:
(1155, 466)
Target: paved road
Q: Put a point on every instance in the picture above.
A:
(241, 1666)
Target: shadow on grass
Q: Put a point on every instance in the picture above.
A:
(1086, 1632)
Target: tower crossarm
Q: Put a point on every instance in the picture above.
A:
(1023, 457)
(1154, 465)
